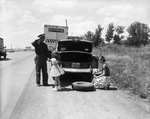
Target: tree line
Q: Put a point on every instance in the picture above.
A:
(138, 35)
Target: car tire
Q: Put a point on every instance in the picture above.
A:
(83, 86)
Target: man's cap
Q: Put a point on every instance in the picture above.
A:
(41, 35)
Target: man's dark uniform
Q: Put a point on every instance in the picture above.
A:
(41, 51)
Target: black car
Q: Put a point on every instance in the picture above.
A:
(76, 57)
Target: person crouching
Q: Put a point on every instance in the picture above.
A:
(102, 78)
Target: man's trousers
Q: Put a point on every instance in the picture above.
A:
(41, 65)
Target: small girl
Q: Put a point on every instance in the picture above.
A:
(56, 70)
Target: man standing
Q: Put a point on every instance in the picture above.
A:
(41, 51)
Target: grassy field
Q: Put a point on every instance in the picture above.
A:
(129, 67)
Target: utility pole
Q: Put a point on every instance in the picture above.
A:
(11, 45)
(66, 23)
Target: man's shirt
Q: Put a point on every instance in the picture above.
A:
(41, 48)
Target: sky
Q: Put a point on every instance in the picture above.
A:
(21, 21)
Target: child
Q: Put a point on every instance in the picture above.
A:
(56, 70)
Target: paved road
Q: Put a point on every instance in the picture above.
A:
(44, 103)
(14, 74)
(34, 102)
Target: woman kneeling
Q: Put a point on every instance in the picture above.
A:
(102, 78)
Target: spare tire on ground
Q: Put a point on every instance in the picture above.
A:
(83, 86)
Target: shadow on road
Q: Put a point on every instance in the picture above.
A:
(6, 59)
(68, 79)
(52, 85)
(111, 88)
(66, 89)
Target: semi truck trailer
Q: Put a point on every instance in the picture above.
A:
(53, 34)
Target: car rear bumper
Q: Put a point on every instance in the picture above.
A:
(77, 70)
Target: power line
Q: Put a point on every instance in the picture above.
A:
(94, 11)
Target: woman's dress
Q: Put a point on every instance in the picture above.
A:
(103, 81)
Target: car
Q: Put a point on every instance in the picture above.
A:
(76, 57)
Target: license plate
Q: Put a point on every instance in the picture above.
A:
(75, 65)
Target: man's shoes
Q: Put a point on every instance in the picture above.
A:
(46, 84)
(38, 85)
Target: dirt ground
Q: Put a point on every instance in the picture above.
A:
(44, 103)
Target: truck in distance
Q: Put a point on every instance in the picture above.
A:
(2, 48)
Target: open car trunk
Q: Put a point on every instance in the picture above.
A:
(76, 60)
(71, 45)
(75, 57)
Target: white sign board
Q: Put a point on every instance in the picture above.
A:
(53, 34)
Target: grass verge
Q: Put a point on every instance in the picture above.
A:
(129, 67)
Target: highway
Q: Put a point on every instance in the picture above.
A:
(14, 74)
(21, 98)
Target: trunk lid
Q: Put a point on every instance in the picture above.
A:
(75, 45)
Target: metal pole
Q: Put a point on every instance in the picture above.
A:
(66, 23)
